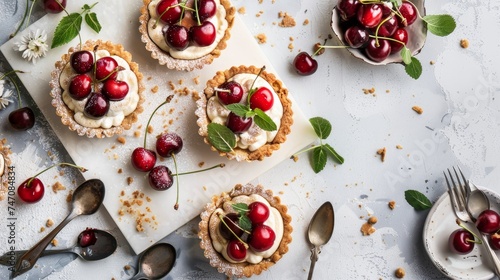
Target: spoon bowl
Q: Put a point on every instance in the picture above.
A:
(477, 202)
(156, 262)
(320, 231)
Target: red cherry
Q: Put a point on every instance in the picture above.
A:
(387, 28)
(258, 212)
(238, 124)
(160, 178)
(115, 90)
(347, 9)
(378, 52)
(169, 14)
(401, 35)
(262, 238)
(488, 221)
(32, 192)
(104, 67)
(54, 6)
(168, 144)
(304, 64)
(143, 159)
(177, 37)
(495, 241)
(262, 98)
(82, 61)
(231, 92)
(80, 86)
(231, 221)
(87, 238)
(236, 250)
(356, 37)
(22, 118)
(409, 12)
(461, 241)
(369, 15)
(203, 35)
(97, 106)
(206, 9)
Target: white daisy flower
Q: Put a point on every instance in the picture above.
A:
(33, 45)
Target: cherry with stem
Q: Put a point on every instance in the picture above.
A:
(22, 118)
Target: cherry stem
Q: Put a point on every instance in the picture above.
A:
(237, 237)
(306, 150)
(169, 98)
(176, 206)
(15, 84)
(166, 10)
(24, 18)
(378, 27)
(94, 66)
(467, 229)
(197, 13)
(117, 69)
(82, 169)
(386, 38)
(254, 80)
(221, 165)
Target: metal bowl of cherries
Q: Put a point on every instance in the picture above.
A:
(378, 31)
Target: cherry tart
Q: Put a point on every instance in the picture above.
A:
(5, 162)
(97, 89)
(238, 250)
(256, 89)
(186, 35)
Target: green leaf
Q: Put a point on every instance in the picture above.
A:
(321, 126)
(240, 208)
(417, 200)
(440, 25)
(221, 137)
(67, 29)
(91, 20)
(319, 159)
(406, 55)
(86, 7)
(397, 3)
(264, 121)
(414, 69)
(245, 223)
(239, 109)
(333, 153)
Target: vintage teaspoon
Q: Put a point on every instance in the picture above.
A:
(156, 262)
(319, 232)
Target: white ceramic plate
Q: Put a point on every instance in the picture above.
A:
(440, 223)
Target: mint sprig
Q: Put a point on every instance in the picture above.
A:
(417, 200)
(221, 137)
(243, 220)
(440, 25)
(69, 27)
(320, 152)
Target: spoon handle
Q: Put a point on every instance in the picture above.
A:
(28, 259)
(491, 254)
(9, 258)
(314, 257)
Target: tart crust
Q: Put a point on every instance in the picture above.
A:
(4, 157)
(66, 113)
(286, 120)
(243, 269)
(164, 57)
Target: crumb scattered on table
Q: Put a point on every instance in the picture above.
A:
(318, 49)
(242, 10)
(382, 153)
(400, 272)
(464, 43)
(399, 147)
(49, 223)
(392, 204)
(154, 89)
(54, 242)
(286, 20)
(417, 109)
(58, 187)
(372, 220)
(369, 90)
(367, 229)
(121, 140)
(262, 38)
(306, 22)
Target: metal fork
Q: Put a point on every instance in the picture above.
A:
(459, 192)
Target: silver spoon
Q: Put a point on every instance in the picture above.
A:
(104, 246)
(156, 262)
(319, 232)
(87, 199)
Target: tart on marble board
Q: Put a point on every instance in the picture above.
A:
(214, 244)
(5, 162)
(125, 102)
(153, 29)
(254, 143)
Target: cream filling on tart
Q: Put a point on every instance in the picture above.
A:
(275, 221)
(192, 51)
(255, 137)
(118, 110)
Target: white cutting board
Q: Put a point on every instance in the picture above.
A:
(104, 157)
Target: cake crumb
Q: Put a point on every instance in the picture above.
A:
(121, 140)
(69, 197)
(137, 133)
(154, 89)
(242, 10)
(306, 22)
(372, 220)
(58, 187)
(286, 20)
(259, 13)
(120, 171)
(417, 109)
(400, 272)
(42, 229)
(290, 47)
(54, 242)
(382, 153)
(196, 80)
(464, 43)
(367, 229)
(127, 267)
(130, 180)
(49, 223)
(392, 204)
(432, 62)
(369, 90)
(318, 49)
(399, 147)
(262, 38)
(201, 163)
(150, 129)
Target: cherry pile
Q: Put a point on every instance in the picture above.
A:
(178, 36)
(462, 241)
(97, 82)
(234, 227)
(376, 27)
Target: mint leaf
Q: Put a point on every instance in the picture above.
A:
(245, 223)
(264, 121)
(321, 126)
(92, 22)
(67, 29)
(417, 200)
(406, 55)
(440, 25)
(240, 208)
(414, 69)
(221, 137)
(333, 153)
(319, 159)
(239, 109)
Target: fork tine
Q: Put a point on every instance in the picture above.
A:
(466, 182)
(461, 187)
(453, 200)
(458, 193)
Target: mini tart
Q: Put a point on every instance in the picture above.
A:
(243, 269)
(164, 58)
(5, 162)
(67, 114)
(286, 120)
